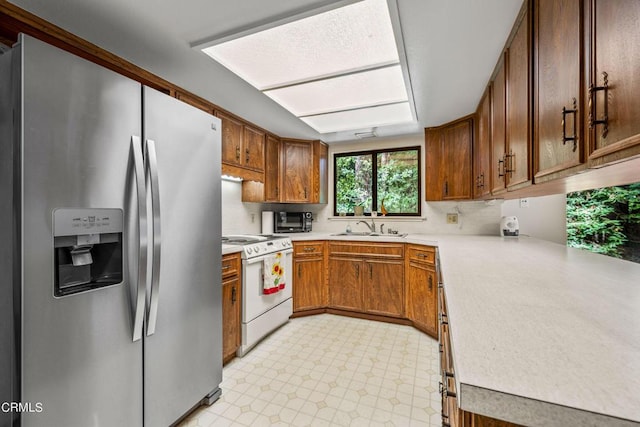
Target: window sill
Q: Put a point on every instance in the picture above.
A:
(379, 218)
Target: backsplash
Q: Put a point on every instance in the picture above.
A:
(473, 218)
(238, 217)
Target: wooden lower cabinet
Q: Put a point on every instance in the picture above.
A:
(309, 285)
(421, 296)
(231, 306)
(452, 414)
(345, 283)
(383, 285)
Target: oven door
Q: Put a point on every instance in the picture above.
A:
(254, 301)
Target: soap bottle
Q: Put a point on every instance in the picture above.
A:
(348, 230)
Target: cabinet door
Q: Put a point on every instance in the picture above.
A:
(421, 297)
(383, 283)
(498, 129)
(308, 284)
(433, 158)
(482, 148)
(345, 283)
(253, 151)
(272, 170)
(232, 134)
(456, 149)
(230, 317)
(518, 112)
(615, 34)
(557, 78)
(297, 164)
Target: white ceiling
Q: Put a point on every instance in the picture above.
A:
(452, 47)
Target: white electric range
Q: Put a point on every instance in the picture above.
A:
(262, 313)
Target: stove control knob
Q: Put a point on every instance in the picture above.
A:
(249, 250)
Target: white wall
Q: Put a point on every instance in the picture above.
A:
(545, 218)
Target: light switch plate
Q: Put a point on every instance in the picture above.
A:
(452, 218)
(524, 203)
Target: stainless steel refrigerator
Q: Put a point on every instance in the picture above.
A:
(110, 256)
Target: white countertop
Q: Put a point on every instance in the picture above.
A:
(541, 334)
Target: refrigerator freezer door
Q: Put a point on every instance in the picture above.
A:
(78, 358)
(183, 357)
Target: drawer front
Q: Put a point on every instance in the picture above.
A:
(426, 254)
(308, 249)
(230, 265)
(367, 249)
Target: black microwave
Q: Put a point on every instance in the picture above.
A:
(292, 222)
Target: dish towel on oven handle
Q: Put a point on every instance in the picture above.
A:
(273, 274)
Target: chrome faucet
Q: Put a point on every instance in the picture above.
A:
(372, 226)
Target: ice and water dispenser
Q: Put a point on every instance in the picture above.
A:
(87, 249)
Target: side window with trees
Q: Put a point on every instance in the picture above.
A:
(379, 180)
(606, 220)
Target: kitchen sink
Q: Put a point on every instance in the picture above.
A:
(368, 234)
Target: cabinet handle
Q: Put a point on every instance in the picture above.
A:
(430, 283)
(309, 249)
(443, 319)
(246, 152)
(370, 271)
(299, 270)
(237, 153)
(446, 188)
(421, 255)
(305, 192)
(500, 162)
(509, 169)
(233, 295)
(357, 271)
(226, 267)
(573, 138)
(593, 113)
(482, 180)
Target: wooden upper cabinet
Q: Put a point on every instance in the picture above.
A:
(517, 158)
(448, 150)
(253, 149)
(457, 150)
(297, 161)
(272, 170)
(433, 159)
(558, 144)
(242, 148)
(612, 72)
(232, 135)
(482, 148)
(498, 129)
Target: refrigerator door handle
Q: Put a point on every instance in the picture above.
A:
(152, 170)
(139, 302)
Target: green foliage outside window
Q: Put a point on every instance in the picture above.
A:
(606, 221)
(371, 178)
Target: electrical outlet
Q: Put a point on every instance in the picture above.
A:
(524, 203)
(452, 218)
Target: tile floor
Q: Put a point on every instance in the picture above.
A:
(328, 370)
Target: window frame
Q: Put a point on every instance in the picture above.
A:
(374, 173)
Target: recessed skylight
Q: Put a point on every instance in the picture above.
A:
(326, 69)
